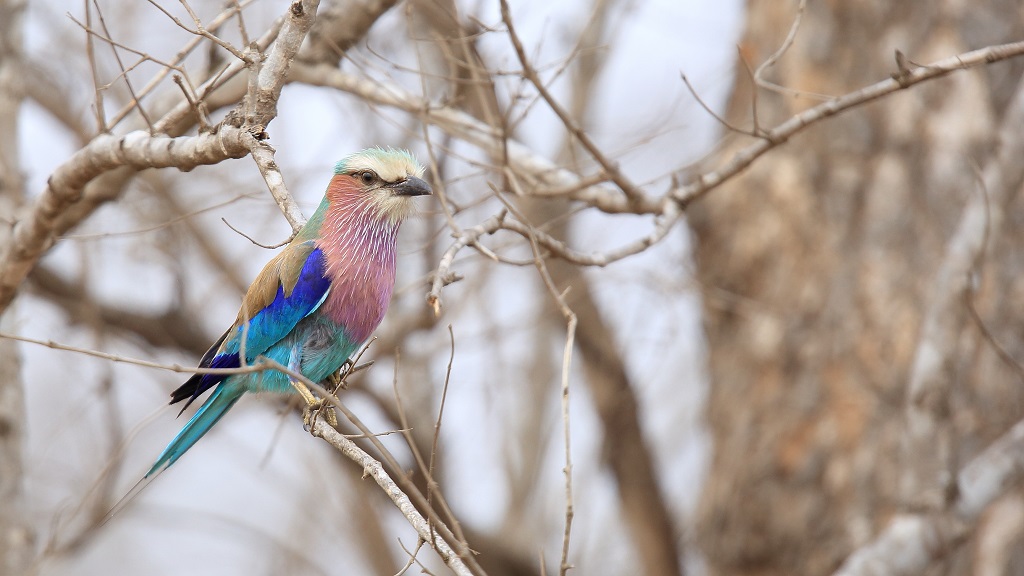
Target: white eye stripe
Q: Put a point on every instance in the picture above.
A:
(390, 169)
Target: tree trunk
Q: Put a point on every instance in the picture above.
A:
(16, 540)
(819, 268)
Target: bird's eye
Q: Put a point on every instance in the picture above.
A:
(367, 177)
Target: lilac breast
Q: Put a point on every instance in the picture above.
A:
(360, 255)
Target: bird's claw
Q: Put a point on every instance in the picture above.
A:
(317, 408)
(338, 380)
(314, 407)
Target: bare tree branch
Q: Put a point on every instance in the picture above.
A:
(611, 169)
(274, 70)
(786, 130)
(263, 155)
(463, 125)
(16, 530)
(37, 232)
(228, 13)
(912, 542)
(411, 501)
(928, 444)
(376, 470)
(570, 338)
(338, 27)
(522, 159)
(174, 329)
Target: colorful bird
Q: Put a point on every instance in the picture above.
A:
(317, 301)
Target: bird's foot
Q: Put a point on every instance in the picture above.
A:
(315, 407)
(339, 380)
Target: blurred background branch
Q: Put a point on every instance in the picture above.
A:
(771, 372)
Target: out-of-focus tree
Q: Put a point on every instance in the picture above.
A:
(855, 276)
(861, 293)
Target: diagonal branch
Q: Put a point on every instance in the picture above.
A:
(462, 125)
(611, 169)
(36, 233)
(522, 158)
(912, 542)
(786, 130)
(375, 469)
(928, 443)
(174, 328)
(274, 70)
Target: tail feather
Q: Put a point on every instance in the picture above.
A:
(127, 498)
(199, 383)
(222, 399)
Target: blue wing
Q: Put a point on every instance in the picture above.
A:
(267, 326)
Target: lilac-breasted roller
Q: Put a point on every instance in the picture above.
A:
(318, 300)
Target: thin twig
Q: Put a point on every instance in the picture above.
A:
(426, 469)
(790, 37)
(708, 109)
(754, 94)
(259, 367)
(241, 23)
(412, 557)
(250, 239)
(610, 168)
(444, 396)
(143, 57)
(570, 335)
(663, 225)
(446, 533)
(375, 469)
(783, 132)
(196, 104)
(180, 56)
(758, 78)
(443, 275)
(161, 225)
(200, 29)
(999, 349)
(437, 424)
(124, 73)
(101, 123)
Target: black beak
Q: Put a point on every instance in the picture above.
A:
(412, 186)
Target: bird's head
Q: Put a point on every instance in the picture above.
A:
(383, 180)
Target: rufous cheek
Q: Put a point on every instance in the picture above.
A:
(342, 188)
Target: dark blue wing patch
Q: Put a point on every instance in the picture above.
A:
(266, 328)
(270, 325)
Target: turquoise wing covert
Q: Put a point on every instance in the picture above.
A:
(267, 327)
